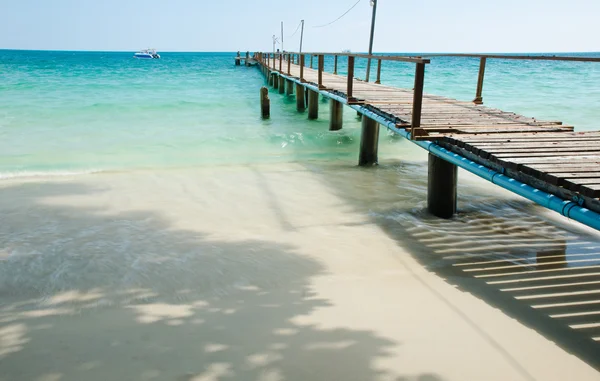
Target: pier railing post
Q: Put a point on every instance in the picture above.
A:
(311, 61)
(350, 78)
(301, 67)
(417, 98)
(289, 64)
(378, 81)
(335, 59)
(321, 67)
(280, 62)
(478, 98)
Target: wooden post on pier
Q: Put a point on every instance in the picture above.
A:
(350, 80)
(275, 80)
(336, 115)
(478, 97)
(378, 81)
(321, 65)
(289, 87)
(271, 77)
(313, 104)
(311, 61)
(265, 103)
(281, 85)
(289, 61)
(369, 142)
(280, 62)
(300, 103)
(335, 59)
(441, 187)
(301, 67)
(417, 99)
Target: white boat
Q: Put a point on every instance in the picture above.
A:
(147, 54)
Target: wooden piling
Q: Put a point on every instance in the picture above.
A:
(265, 103)
(313, 104)
(275, 80)
(281, 85)
(336, 114)
(289, 87)
(441, 187)
(417, 99)
(335, 59)
(300, 101)
(478, 95)
(350, 80)
(369, 142)
(271, 78)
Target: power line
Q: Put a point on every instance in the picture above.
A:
(297, 29)
(345, 13)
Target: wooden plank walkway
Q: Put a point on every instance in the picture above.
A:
(544, 154)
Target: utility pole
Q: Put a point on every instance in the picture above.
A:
(282, 36)
(374, 5)
(301, 36)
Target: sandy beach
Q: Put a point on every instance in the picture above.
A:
(274, 272)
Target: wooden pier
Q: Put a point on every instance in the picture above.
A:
(545, 156)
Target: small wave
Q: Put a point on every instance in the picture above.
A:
(36, 174)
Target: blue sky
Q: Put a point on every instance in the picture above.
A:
(230, 25)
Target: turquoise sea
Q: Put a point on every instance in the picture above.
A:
(63, 112)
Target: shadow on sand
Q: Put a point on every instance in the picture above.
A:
(503, 251)
(89, 295)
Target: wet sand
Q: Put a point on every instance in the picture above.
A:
(278, 272)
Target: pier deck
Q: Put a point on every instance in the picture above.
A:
(546, 155)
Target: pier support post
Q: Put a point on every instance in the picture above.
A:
(336, 114)
(281, 85)
(289, 87)
(313, 104)
(359, 116)
(270, 77)
(441, 187)
(369, 142)
(265, 103)
(275, 80)
(300, 104)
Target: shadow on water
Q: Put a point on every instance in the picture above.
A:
(90, 295)
(502, 250)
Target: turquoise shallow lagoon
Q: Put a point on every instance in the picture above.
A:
(69, 112)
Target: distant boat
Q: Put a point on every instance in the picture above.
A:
(147, 54)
